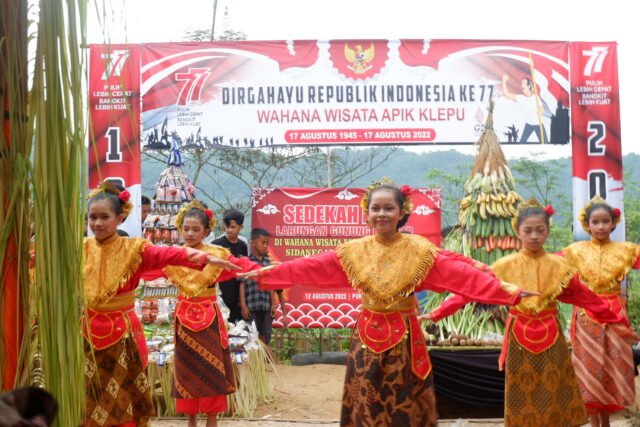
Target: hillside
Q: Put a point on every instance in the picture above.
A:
(404, 168)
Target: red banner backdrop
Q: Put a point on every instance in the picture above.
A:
(596, 141)
(307, 221)
(114, 137)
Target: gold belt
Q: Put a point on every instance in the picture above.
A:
(409, 304)
(209, 292)
(118, 302)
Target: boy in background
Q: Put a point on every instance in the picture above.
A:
(257, 305)
(145, 208)
(233, 221)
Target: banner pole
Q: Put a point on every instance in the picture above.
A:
(329, 169)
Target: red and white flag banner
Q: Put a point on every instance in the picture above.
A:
(596, 141)
(114, 126)
(253, 94)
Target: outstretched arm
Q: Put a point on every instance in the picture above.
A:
(322, 270)
(448, 307)
(172, 259)
(577, 293)
(452, 275)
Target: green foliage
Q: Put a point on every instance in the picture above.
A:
(633, 299)
(224, 178)
(632, 202)
(452, 183)
(286, 343)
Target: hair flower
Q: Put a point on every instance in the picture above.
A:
(124, 196)
(549, 210)
(208, 213)
(616, 212)
(405, 190)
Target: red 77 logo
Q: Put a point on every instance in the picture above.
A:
(193, 83)
(596, 58)
(113, 63)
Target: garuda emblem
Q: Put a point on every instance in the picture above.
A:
(359, 58)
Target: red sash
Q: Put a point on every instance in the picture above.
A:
(107, 322)
(535, 332)
(614, 302)
(382, 331)
(105, 328)
(198, 313)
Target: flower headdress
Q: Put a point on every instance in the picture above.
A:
(195, 204)
(532, 203)
(407, 206)
(123, 195)
(597, 200)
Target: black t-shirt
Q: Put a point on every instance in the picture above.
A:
(230, 289)
(238, 249)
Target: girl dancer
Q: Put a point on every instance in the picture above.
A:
(541, 388)
(117, 388)
(202, 363)
(388, 379)
(602, 359)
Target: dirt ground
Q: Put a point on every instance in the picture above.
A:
(309, 396)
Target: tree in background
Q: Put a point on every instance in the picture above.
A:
(225, 177)
(452, 184)
(542, 181)
(347, 165)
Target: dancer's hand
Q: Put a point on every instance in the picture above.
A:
(222, 263)
(426, 316)
(254, 273)
(527, 294)
(248, 275)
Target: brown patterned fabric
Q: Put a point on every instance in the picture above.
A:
(381, 390)
(202, 368)
(604, 366)
(541, 389)
(117, 387)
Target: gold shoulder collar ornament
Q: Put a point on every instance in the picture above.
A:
(547, 274)
(387, 270)
(110, 265)
(192, 283)
(602, 266)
